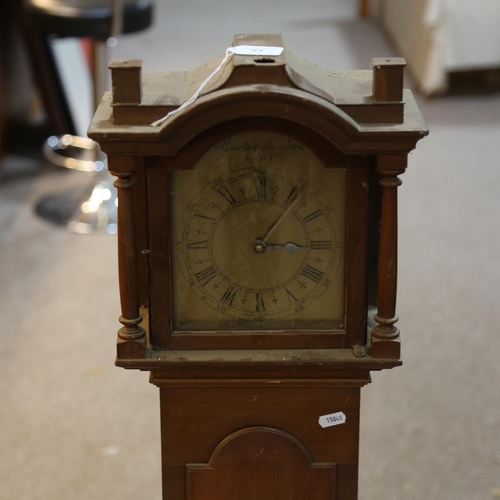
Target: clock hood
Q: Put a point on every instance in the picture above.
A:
(366, 111)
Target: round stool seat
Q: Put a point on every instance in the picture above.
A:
(87, 18)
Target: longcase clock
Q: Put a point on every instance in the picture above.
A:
(258, 260)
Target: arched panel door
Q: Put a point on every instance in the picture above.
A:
(261, 463)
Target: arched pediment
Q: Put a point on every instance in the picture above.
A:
(362, 112)
(268, 101)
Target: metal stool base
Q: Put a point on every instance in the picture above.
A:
(88, 208)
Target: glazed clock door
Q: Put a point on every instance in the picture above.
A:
(257, 243)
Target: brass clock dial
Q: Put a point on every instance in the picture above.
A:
(259, 236)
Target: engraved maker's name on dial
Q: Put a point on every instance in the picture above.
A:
(268, 146)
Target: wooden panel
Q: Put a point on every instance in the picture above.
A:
(388, 78)
(347, 482)
(126, 76)
(196, 420)
(174, 481)
(261, 464)
(380, 113)
(142, 242)
(356, 256)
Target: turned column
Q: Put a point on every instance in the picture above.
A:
(385, 335)
(131, 337)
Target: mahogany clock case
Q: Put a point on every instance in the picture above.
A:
(240, 408)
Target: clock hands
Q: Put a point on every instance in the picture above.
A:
(292, 199)
(261, 246)
(288, 247)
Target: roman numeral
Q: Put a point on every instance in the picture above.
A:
(204, 216)
(207, 275)
(224, 191)
(294, 194)
(291, 296)
(321, 245)
(198, 245)
(312, 273)
(312, 216)
(228, 296)
(260, 186)
(259, 303)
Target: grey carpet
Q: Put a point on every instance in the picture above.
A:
(74, 427)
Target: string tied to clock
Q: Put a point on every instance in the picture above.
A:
(242, 50)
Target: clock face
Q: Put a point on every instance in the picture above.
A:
(258, 228)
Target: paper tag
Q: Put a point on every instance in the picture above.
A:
(256, 50)
(332, 419)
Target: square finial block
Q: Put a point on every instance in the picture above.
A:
(126, 81)
(388, 75)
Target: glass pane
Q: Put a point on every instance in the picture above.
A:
(259, 228)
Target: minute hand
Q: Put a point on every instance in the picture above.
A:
(275, 224)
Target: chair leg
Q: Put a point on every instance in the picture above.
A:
(100, 73)
(364, 8)
(49, 83)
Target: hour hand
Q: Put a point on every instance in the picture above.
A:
(290, 247)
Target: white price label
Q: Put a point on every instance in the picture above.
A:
(332, 419)
(256, 50)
